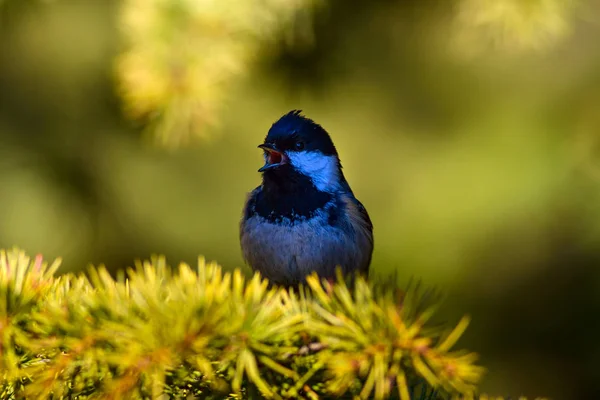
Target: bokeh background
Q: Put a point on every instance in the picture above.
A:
(470, 129)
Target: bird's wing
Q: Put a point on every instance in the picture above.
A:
(359, 216)
(361, 222)
(250, 204)
(248, 212)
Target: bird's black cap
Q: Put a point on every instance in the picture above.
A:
(294, 131)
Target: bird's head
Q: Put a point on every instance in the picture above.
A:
(295, 145)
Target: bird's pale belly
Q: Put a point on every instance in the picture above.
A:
(286, 253)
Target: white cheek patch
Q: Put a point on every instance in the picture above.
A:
(321, 169)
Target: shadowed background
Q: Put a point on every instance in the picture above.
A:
(469, 129)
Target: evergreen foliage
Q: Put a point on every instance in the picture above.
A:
(156, 332)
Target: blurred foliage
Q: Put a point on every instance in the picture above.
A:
(182, 57)
(205, 333)
(469, 129)
(512, 26)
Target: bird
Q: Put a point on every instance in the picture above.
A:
(303, 217)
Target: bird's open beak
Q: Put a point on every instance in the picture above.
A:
(275, 157)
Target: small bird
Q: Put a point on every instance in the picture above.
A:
(304, 216)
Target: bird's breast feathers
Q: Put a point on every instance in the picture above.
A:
(287, 249)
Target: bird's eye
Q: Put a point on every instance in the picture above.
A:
(299, 145)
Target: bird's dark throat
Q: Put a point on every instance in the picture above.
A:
(288, 194)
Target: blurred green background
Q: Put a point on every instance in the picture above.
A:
(470, 129)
